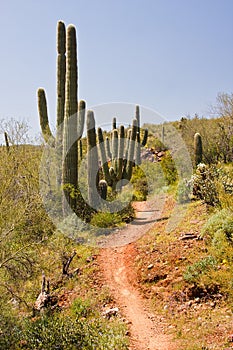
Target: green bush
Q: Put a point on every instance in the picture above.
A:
(82, 328)
(203, 183)
(9, 331)
(108, 219)
(69, 332)
(140, 184)
(169, 168)
(220, 223)
(194, 272)
(147, 179)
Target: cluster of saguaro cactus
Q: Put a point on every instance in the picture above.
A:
(117, 160)
(118, 154)
(70, 113)
(197, 149)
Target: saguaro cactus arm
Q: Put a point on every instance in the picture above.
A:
(44, 121)
(127, 173)
(121, 143)
(138, 137)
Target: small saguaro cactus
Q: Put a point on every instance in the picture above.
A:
(114, 123)
(163, 134)
(139, 143)
(197, 149)
(70, 113)
(7, 142)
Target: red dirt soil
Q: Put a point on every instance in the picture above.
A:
(147, 331)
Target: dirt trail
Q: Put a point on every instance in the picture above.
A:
(116, 262)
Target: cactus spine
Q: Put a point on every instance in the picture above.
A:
(197, 148)
(70, 114)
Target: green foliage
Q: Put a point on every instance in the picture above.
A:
(9, 331)
(217, 134)
(220, 224)
(194, 272)
(82, 328)
(204, 184)
(108, 219)
(169, 168)
(184, 192)
(140, 184)
(147, 179)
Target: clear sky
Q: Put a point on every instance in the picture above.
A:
(173, 56)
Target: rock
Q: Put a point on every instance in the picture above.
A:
(230, 338)
(161, 154)
(187, 236)
(150, 266)
(42, 301)
(110, 312)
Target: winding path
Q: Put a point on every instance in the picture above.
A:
(116, 262)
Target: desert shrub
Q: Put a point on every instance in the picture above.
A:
(225, 186)
(72, 331)
(9, 330)
(81, 328)
(203, 183)
(220, 224)
(194, 272)
(184, 191)
(140, 184)
(108, 219)
(219, 230)
(147, 179)
(169, 168)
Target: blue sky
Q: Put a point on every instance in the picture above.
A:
(172, 56)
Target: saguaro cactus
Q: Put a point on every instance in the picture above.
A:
(70, 114)
(7, 142)
(92, 161)
(120, 166)
(139, 143)
(197, 149)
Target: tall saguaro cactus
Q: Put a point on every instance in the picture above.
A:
(139, 143)
(70, 113)
(197, 149)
